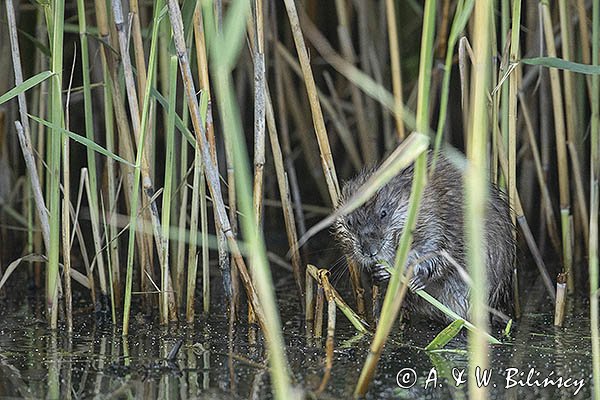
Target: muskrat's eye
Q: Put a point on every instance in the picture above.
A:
(349, 223)
(383, 214)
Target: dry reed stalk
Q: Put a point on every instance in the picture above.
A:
(496, 97)
(284, 194)
(233, 220)
(138, 48)
(24, 134)
(511, 115)
(91, 159)
(329, 342)
(315, 106)
(522, 221)
(458, 25)
(546, 205)
(295, 100)
(224, 263)
(561, 148)
(258, 57)
(581, 207)
(380, 337)
(313, 273)
(368, 85)
(96, 236)
(197, 186)
(376, 303)
(139, 125)
(395, 66)
(366, 21)
(192, 250)
(545, 137)
(287, 148)
(586, 45)
(506, 65)
(180, 262)
(111, 170)
(309, 302)
(123, 41)
(210, 168)
(340, 122)
(573, 137)
(74, 215)
(111, 68)
(221, 245)
(113, 300)
(38, 103)
(318, 329)
(168, 302)
(141, 171)
(364, 135)
(463, 66)
(561, 299)
(346, 135)
(442, 39)
(200, 44)
(225, 50)
(95, 223)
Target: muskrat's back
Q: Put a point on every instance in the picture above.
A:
(371, 234)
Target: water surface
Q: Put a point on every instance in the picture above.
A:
(214, 363)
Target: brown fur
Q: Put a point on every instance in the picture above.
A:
(372, 233)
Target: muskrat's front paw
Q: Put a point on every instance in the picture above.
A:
(379, 274)
(416, 283)
(419, 279)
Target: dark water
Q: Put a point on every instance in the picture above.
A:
(212, 364)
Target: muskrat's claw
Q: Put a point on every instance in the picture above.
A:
(379, 274)
(419, 278)
(416, 283)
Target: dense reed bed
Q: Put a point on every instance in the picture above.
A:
(149, 147)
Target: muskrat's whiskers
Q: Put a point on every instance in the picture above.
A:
(338, 269)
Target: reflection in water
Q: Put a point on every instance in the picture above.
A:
(211, 364)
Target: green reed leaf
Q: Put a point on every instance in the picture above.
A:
(81, 139)
(446, 335)
(25, 86)
(553, 62)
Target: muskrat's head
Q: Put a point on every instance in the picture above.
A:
(370, 234)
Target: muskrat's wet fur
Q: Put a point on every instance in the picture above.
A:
(372, 232)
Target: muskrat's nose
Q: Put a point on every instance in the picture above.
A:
(372, 250)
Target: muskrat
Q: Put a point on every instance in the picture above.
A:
(372, 232)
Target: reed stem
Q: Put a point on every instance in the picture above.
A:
(140, 158)
(396, 70)
(56, 140)
(594, 201)
(561, 148)
(476, 188)
(512, 133)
